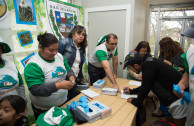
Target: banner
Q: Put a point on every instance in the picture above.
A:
(62, 17)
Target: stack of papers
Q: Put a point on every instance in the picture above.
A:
(99, 84)
(126, 96)
(90, 93)
(109, 91)
(136, 83)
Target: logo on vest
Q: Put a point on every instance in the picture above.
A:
(192, 71)
(58, 72)
(109, 57)
(7, 81)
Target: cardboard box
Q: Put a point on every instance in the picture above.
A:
(92, 115)
(99, 84)
(109, 91)
(105, 111)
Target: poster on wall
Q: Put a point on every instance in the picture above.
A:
(25, 12)
(62, 17)
(26, 59)
(25, 38)
(4, 15)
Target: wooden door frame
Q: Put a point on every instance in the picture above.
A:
(128, 8)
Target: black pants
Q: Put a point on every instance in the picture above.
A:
(165, 96)
(72, 92)
(95, 73)
(37, 111)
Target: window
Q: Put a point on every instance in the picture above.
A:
(171, 21)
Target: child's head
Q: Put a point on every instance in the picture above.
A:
(12, 107)
(143, 48)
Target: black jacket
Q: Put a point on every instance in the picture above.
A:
(158, 77)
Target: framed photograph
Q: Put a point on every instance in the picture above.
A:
(26, 59)
(25, 38)
(25, 12)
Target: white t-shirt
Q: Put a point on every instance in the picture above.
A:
(75, 66)
(190, 61)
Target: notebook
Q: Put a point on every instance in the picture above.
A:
(137, 83)
(126, 96)
(90, 93)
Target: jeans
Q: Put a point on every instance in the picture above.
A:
(95, 73)
(72, 92)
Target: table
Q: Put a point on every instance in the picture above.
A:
(123, 113)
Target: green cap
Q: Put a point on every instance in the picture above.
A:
(102, 40)
(5, 46)
(55, 117)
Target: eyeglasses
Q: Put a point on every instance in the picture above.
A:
(113, 44)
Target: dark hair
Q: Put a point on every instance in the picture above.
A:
(143, 44)
(111, 35)
(79, 29)
(46, 39)
(169, 48)
(137, 59)
(17, 102)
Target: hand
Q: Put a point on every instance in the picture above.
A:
(72, 79)
(84, 80)
(180, 69)
(126, 90)
(117, 87)
(168, 62)
(139, 76)
(129, 100)
(68, 85)
(115, 76)
(182, 88)
(64, 85)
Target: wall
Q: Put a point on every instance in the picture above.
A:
(138, 15)
(139, 22)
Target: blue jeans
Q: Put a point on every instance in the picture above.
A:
(95, 73)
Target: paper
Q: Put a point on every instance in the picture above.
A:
(137, 83)
(90, 93)
(126, 96)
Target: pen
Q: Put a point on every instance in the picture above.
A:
(125, 88)
(89, 98)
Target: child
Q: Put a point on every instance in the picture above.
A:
(142, 48)
(12, 109)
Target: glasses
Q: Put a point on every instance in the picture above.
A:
(113, 44)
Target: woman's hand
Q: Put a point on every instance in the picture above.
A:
(182, 88)
(168, 62)
(64, 85)
(72, 79)
(180, 69)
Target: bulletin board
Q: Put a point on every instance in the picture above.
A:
(22, 20)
